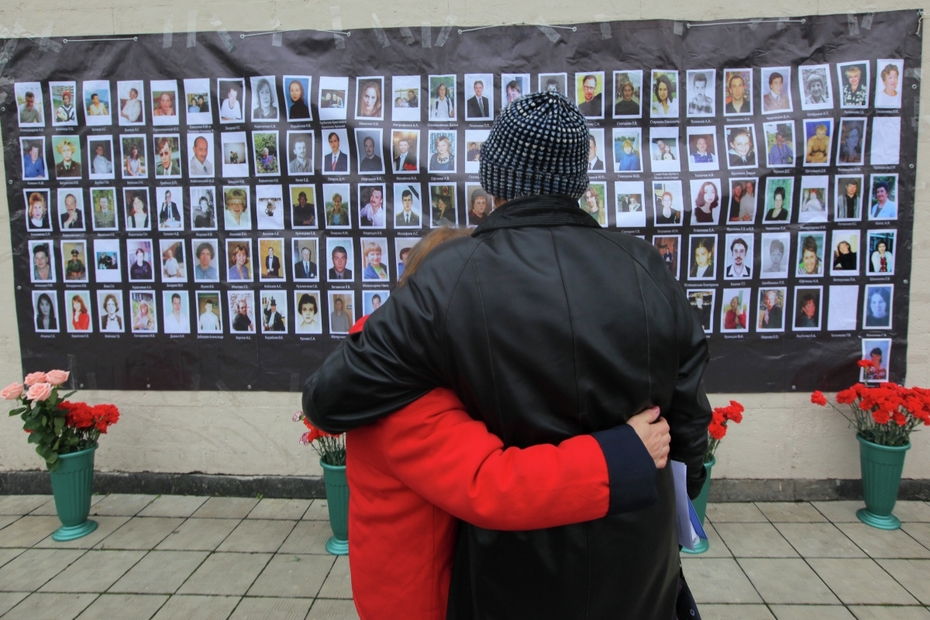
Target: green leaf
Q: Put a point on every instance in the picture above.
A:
(59, 424)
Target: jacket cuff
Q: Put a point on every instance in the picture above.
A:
(630, 469)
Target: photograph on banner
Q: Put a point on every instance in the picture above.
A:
(406, 96)
(96, 97)
(33, 151)
(548, 82)
(200, 151)
(737, 92)
(173, 260)
(241, 306)
(307, 311)
(140, 252)
(71, 209)
(110, 310)
(370, 104)
(131, 94)
(274, 311)
(628, 94)
(197, 100)
(474, 139)
(336, 201)
(264, 99)
(668, 202)
(596, 150)
(811, 247)
(669, 247)
(589, 93)
(372, 209)
(514, 86)
(771, 309)
(808, 308)
(164, 102)
(237, 210)
(702, 149)
(239, 260)
(167, 155)
(741, 146)
(303, 206)
(886, 141)
(207, 253)
(176, 304)
(402, 247)
(775, 251)
(306, 253)
(877, 310)
(68, 159)
(374, 251)
(702, 94)
(103, 205)
(143, 312)
(170, 208)
(664, 99)
(443, 209)
(441, 151)
(269, 204)
(851, 151)
(203, 208)
(878, 352)
(368, 142)
(779, 144)
(333, 95)
(881, 249)
(813, 206)
(742, 200)
(594, 201)
(738, 256)
(265, 153)
(888, 88)
(734, 310)
(705, 202)
(340, 259)
(297, 98)
(848, 197)
(65, 112)
(134, 154)
(776, 90)
(702, 266)
(816, 87)
(628, 146)
(209, 312)
(231, 95)
(372, 300)
(442, 93)
(80, 316)
(136, 201)
(342, 311)
(336, 159)
(479, 204)
(271, 251)
(818, 136)
(702, 300)
(779, 194)
(235, 154)
(37, 216)
(853, 78)
(101, 152)
(883, 197)
(107, 261)
(404, 150)
(842, 308)
(300, 153)
(664, 149)
(43, 266)
(408, 205)
(631, 210)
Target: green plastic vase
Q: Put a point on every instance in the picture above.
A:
(700, 507)
(881, 477)
(337, 500)
(72, 486)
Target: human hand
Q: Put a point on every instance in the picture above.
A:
(653, 431)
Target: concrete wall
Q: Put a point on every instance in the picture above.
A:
(783, 435)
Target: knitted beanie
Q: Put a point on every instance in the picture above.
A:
(539, 145)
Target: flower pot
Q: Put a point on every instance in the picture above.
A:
(881, 477)
(700, 507)
(337, 500)
(72, 485)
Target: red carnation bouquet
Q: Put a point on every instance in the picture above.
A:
(718, 426)
(330, 448)
(57, 426)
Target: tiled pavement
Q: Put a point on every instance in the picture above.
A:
(175, 557)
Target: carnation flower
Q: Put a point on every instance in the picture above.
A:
(818, 398)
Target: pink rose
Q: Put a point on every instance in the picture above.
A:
(12, 391)
(35, 377)
(57, 377)
(39, 392)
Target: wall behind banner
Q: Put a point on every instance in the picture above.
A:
(783, 435)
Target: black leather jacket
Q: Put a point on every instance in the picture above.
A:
(547, 326)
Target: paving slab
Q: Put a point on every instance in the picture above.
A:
(790, 512)
(811, 612)
(755, 540)
(141, 533)
(718, 580)
(718, 548)
(329, 609)
(307, 537)
(198, 535)
(48, 509)
(787, 581)
(860, 582)
(819, 540)
(22, 504)
(295, 576)
(230, 574)
(121, 505)
(735, 512)
(884, 543)
(8, 600)
(890, 613)
(318, 511)
(5, 520)
(8, 554)
(28, 531)
(914, 575)
(95, 571)
(174, 506)
(124, 607)
(160, 572)
(918, 531)
(251, 608)
(338, 583)
(258, 535)
(839, 511)
(34, 567)
(57, 606)
(911, 511)
(225, 508)
(271, 508)
(735, 612)
(105, 527)
(197, 608)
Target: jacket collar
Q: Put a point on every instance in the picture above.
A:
(541, 210)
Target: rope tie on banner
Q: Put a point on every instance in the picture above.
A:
(540, 26)
(95, 39)
(920, 21)
(755, 22)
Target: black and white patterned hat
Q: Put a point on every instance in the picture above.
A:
(539, 145)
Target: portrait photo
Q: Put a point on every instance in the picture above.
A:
(479, 97)
(376, 260)
(306, 253)
(443, 210)
(779, 144)
(107, 261)
(203, 208)
(851, 151)
(370, 104)
(706, 202)
(237, 208)
(100, 149)
(206, 253)
(37, 205)
(848, 195)
(589, 93)
(877, 310)
(734, 310)
(137, 210)
(308, 312)
(771, 309)
(274, 311)
(110, 311)
(888, 86)
(167, 155)
(702, 149)
(265, 153)
(372, 206)
(813, 204)
(737, 91)
(177, 307)
(164, 98)
(702, 265)
(474, 140)
(441, 150)
(131, 95)
(596, 151)
(881, 250)
(514, 86)
(807, 308)
(668, 202)
(64, 97)
(372, 300)
(297, 98)
(241, 311)
(738, 256)
(845, 260)
(775, 254)
(810, 254)
(340, 259)
(878, 352)
(669, 247)
(842, 307)
(80, 318)
(664, 149)
(742, 209)
(853, 78)
(664, 97)
(701, 93)
(34, 166)
(442, 107)
(818, 136)
(96, 103)
(741, 146)
(550, 82)
(71, 209)
(776, 90)
(209, 312)
(408, 206)
(197, 100)
(169, 203)
(239, 260)
(332, 98)
(702, 300)
(303, 206)
(594, 202)
(43, 262)
(264, 99)
(200, 154)
(816, 87)
(368, 143)
(134, 156)
(478, 204)
(337, 205)
(269, 206)
(69, 163)
(341, 311)
(885, 141)
(30, 104)
(628, 143)
(300, 153)
(234, 153)
(779, 196)
(141, 254)
(273, 267)
(231, 95)
(631, 209)
(883, 197)
(628, 94)
(404, 145)
(143, 312)
(405, 93)
(402, 247)
(337, 156)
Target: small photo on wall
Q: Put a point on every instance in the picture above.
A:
(594, 202)
(703, 263)
(816, 87)
(264, 99)
(776, 90)
(337, 204)
(142, 308)
(877, 311)
(134, 164)
(408, 205)
(888, 86)
(444, 211)
(405, 93)
(265, 153)
(734, 310)
(474, 139)
(370, 104)
(79, 312)
(742, 200)
(442, 147)
(881, 249)
(368, 142)
(884, 197)
(550, 83)
(779, 144)
(303, 206)
(141, 253)
(206, 255)
(97, 103)
(235, 154)
(514, 86)
(705, 202)
(209, 312)
(771, 309)
(628, 94)
(74, 259)
(810, 254)
(239, 260)
(300, 153)
(702, 149)
(102, 165)
(198, 102)
(842, 308)
(885, 147)
(589, 93)
(669, 247)
(136, 200)
(404, 150)
(628, 146)
(43, 266)
(107, 261)
(853, 78)
(779, 194)
(200, 151)
(402, 247)
(64, 110)
(342, 311)
(177, 305)
(333, 94)
(596, 150)
(110, 311)
(775, 254)
(376, 260)
(808, 308)
(231, 95)
(69, 162)
(848, 197)
(741, 145)
(274, 311)
(479, 97)
(297, 98)
(631, 210)
(668, 202)
(877, 351)
(34, 168)
(131, 94)
(340, 259)
(203, 208)
(739, 255)
(336, 158)
(271, 251)
(269, 203)
(371, 214)
(664, 98)
(372, 300)
(306, 252)
(737, 91)
(170, 208)
(173, 260)
(813, 199)
(165, 102)
(37, 215)
(241, 311)
(479, 204)
(238, 211)
(851, 151)
(701, 93)
(168, 156)
(702, 300)
(664, 149)
(103, 205)
(307, 310)
(71, 209)
(442, 106)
